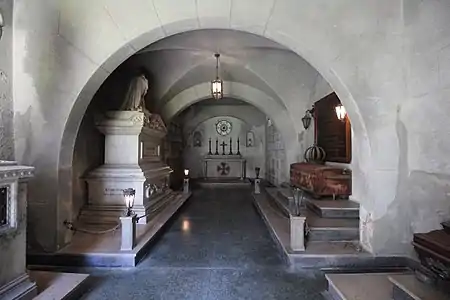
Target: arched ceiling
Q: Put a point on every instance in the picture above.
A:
(181, 61)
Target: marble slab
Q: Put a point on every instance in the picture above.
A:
(325, 255)
(94, 250)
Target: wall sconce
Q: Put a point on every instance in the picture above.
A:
(306, 120)
(341, 112)
(186, 172)
(128, 196)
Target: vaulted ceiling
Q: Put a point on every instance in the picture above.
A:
(186, 60)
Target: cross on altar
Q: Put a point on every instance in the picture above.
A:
(223, 147)
(223, 169)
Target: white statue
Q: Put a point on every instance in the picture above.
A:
(135, 97)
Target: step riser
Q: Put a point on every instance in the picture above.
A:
(333, 294)
(333, 235)
(399, 294)
(334, 213)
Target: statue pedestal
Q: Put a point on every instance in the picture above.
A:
(133, 142)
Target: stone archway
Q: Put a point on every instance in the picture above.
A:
(92, 57)
(250, 95)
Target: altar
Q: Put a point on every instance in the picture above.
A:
(224, 166)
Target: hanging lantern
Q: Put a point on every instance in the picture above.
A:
(341, 112)
(306, 120)
(217, 84)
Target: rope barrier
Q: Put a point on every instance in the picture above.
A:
(71, 226)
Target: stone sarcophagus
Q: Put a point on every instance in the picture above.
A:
(321, 180)
(133, 159)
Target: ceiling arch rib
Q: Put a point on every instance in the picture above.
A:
(176, 70)
(234, 90)
(232, 72)
(204, 110)
(276, 112)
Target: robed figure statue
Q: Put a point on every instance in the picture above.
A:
(135, 97)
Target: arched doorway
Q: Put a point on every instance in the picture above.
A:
(331, 46)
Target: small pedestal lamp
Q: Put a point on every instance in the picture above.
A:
(257, 181)
(186, 181)
(128, 221)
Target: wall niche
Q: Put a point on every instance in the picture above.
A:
(332, 134)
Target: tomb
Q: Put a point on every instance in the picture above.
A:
(14, 280)
(433, 249)
(133, 142)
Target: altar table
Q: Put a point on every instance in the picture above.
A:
(224, 166)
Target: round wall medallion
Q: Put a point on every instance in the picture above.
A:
(223, 127)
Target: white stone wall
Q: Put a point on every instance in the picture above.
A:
(275, 156)
(88, 155)
(244, 118)
(387, 60)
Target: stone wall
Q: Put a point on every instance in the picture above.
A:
(244, 118)
(88, 155)
(275, 155)
(6, 84)
(387, 60)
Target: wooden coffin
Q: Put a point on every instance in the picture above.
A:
(433, 249)
(321, 180)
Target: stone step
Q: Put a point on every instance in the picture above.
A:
(358, 286)
(408, 287)
(346, 209)
(321, 229)
(59, 286)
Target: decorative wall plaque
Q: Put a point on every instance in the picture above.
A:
(223, 127)
(198, 138)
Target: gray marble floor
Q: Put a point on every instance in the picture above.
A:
(217, 247)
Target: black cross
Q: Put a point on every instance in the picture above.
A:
(223, 147)
(223, 169)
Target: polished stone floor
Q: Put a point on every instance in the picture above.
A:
(217, 247)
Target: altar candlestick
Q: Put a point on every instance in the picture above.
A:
(209, 152)
(231, 149)
(217, 147)
(238, 151)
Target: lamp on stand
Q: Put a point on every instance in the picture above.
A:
(257, 181)
(128, 221)
(186, 181)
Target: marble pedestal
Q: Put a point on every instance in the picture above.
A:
(14, 281)
(128, 228)
(297, 233)
(133, 142)
(257, 186)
